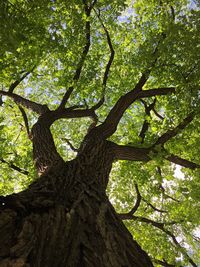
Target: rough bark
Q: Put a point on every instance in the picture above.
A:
(65, 218)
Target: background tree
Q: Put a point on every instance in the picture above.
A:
(89, 88)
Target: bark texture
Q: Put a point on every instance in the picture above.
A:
(64, 219)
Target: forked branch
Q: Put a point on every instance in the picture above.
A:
(109, 126)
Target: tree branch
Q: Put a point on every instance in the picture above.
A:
(70, 144)
(25, 118)
(160, 226)
(145, 126)
(17, 82)
(172, 133)
(162, 188)
(132, 153)
(36, 107)
(112, 52)
(182, 162)
(14, 167)
(157, 114)
(73, 113)
(156, 92)
(83, 56)
(109, 126)
(154, 208)
(180, 247)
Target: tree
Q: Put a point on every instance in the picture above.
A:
(99, 86)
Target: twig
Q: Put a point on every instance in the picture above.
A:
(14, 167)
(70, 145)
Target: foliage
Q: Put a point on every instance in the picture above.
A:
(46, 38)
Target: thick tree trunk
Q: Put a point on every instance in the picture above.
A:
(64, 219)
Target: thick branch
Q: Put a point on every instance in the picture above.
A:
(69, 113)
(14, 167)
(172, 133)
(132, 153)
(156, 92)
(36, 107)
(109, 126)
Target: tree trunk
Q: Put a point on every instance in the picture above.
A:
(64, 219)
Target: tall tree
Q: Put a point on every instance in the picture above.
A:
(104, 96)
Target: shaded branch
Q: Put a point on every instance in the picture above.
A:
(156, 92)
(163, 189)
(109, 126)
(112, 52)
(138, 200)
(83, 56)
(17, 82)
(182, 162)
(70, 144)
(172, 133)
(160, 226)
(157, 114)
(14, 167)
(145, 126)
(154, 208)
(124, 152)
(180, 248)
(135, 207)
(36, 107)
(25, 118)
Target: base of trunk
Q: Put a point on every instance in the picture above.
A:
(89, 234)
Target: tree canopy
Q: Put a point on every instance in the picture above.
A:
(91, 57)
